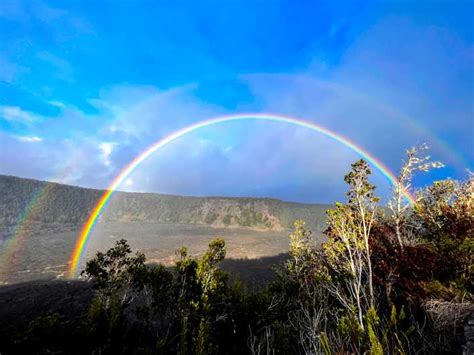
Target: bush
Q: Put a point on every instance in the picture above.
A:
(379, 284)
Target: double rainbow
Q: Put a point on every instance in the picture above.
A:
(84, 236)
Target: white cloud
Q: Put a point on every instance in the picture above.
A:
(106, 148)
(241, 159)
(16, 114)
(145, 113)
(265, 159)
(29, 139)
(57, 104)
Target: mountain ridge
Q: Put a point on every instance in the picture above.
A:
(61, 203)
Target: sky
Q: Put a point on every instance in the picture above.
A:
(86, 86)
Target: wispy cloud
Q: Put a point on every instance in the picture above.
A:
(16, 114)
(147, 113)
(26, 11)
(57, 104)
(29, 139)
(245, 159)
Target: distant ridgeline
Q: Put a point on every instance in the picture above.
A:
(56, 203)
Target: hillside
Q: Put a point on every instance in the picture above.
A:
(58, 203)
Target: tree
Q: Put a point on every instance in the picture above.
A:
(348, 249)
(201, 286)
(116, 273)
(363, 202)
(444, 217)
(306, 269)
(118, 278)
(416, 160)
(345, 255)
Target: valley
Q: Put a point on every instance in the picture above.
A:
(39, 247)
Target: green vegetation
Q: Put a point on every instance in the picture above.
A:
(227, 219)
(56, 203)
(382, 283)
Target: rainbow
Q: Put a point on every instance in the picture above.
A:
(20, 232)
(10, 251)
(84, 236)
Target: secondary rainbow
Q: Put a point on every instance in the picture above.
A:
(82, 241)
(8, 252)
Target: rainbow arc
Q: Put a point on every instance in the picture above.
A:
(85, 234)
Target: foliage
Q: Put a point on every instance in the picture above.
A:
(116, 275)
(396, 283)
(444, 219)
(416, 161)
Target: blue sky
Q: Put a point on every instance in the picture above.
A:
(85, 86)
